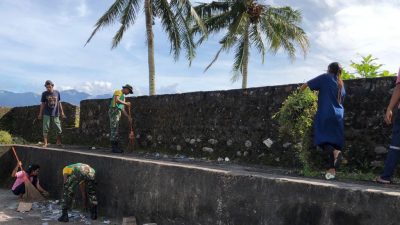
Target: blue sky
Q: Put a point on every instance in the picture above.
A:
(44, 39)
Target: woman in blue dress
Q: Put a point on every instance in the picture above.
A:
(329, 122)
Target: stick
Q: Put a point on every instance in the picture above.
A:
(17, 158)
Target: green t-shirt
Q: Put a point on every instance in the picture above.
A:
(121, 97)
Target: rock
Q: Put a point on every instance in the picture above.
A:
(178, 148)
(277, 159)
(268, 142)
(207, 149)
(129, 221)
(149, 137)
(380, 150)
(192, 141)
(220, 159)
(159, 138)
(187, 140)
(377, 164)
(213, 141)
(245, 153)
(198, 140)
(239, 153)
(286, 145)
(227, 159)
(261, 155)
(229, 142)
(247, 144)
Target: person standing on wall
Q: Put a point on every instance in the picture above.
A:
(50, 111)
(82, 175)
(392, 157)
(117, 107)
(329, 122)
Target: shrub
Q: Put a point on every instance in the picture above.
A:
(5, 137)
(295, 119)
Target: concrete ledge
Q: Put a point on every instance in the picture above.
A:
(179, 193)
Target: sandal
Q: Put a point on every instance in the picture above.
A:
(330, 176)
(379, 180)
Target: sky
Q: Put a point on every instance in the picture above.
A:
(44, 39)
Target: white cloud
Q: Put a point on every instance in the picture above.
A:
(362, 29)
(82, 9)
(95, 86)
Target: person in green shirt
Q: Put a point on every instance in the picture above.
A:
(81, 175)
(117, 107)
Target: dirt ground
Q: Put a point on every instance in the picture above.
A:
(40, 214)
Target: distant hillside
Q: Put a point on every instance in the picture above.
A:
(11, 99)
(4, 110)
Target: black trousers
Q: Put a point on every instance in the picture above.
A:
(19, 190)
(328, 149)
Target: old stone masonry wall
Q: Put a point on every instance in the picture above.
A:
(237, 124)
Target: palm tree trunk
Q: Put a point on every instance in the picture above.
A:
(150, 46)
(245, 57)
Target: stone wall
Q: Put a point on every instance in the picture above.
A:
(171, 193)
(236, 124)
(23, 122)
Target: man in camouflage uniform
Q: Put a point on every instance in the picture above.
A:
(117, 107)
(82, 175)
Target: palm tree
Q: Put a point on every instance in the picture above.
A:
(173, 16)
(247, 24)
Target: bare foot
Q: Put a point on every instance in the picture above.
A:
(45, 146)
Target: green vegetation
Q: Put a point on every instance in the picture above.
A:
(367, 68)
(5, 137)
(174, 16)
(295, 119)
(248, 24)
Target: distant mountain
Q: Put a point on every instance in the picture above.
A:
(11, 99)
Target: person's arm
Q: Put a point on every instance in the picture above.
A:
(61, 110)
(393, 102)
(14, 172)
(40, 116)
(117, 100)
(41, 189)
(82, 188)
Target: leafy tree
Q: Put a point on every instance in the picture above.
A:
(367, 68)
(249, 24)
(173, 16)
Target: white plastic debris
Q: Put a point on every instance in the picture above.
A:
(268, 142)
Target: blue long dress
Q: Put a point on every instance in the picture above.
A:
(329, 122)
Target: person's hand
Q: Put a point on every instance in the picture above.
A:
(63, 115)
(388, 116)
(40, 116)
(19, 164)
(45, 194)
(128, 103)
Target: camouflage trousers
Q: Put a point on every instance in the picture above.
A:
(70, 185)
(115, 115)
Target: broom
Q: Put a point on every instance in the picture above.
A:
(31, 193)
(131, 136)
